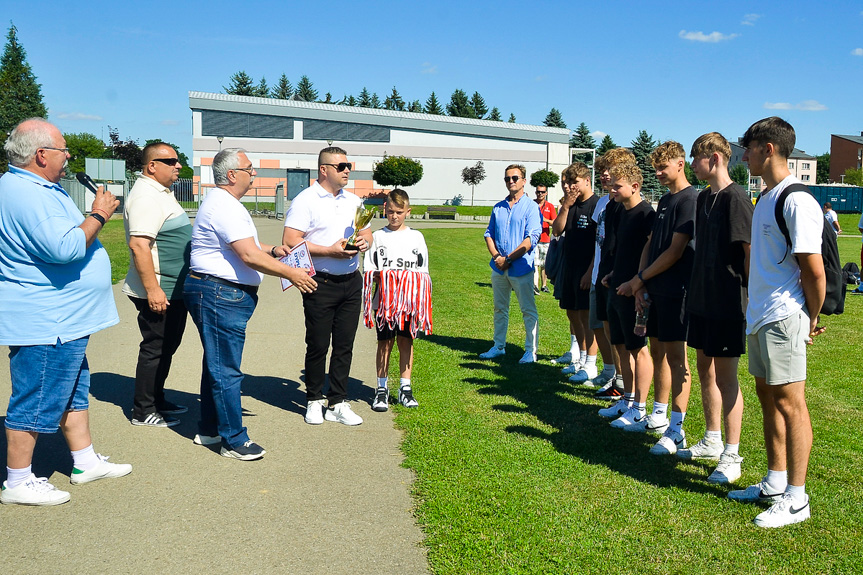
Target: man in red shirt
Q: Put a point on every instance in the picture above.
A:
(548, 213)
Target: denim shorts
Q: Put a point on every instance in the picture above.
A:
(47, 381)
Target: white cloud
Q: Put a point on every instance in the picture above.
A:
(857, 52)
(713, 37)
(750, 19)
(80, 116)
(428, 68)
(598, 135)
(170, 123)
(805, 105)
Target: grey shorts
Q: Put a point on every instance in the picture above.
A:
(541, 253)
(593, 321)
(777, 351)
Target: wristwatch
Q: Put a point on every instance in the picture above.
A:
(507, 260)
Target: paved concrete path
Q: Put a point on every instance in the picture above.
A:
(324, 499)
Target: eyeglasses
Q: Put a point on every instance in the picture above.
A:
(167, 161)
(248, 170)
(512, 179)
(64, 150)
(341, 166)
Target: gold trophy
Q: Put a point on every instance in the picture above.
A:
(362, 218)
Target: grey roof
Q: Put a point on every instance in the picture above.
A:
(379, 117)
(855, 139)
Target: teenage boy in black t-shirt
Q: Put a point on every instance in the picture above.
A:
(717, 303)
(666, 265)
(631, 230)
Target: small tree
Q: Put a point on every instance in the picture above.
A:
(459, 105)
(605, 145)
(415, 107)
(241, 84)
(375, 101)
(495, 115)
(554, 119)
(511, 118)
(642, 147)
(394, 101)
(262, 91)
(472, 176)
(544, 178)
(365, 99)
(740, 175)
(433, 106)
(397, 171)
(305, 90)
(283, 89)
(480, 109)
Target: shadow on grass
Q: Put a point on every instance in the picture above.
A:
(571, 410)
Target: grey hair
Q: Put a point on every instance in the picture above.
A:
(224, 161)
(21, 145)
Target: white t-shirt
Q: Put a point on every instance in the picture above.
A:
(775, 291)
(222, 220)
(324, 219)
(600, 234)
(404, 249)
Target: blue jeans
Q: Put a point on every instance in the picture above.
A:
(221, 313)
(47, 381)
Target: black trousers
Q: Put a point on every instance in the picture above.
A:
(162, 335)
(332, 316)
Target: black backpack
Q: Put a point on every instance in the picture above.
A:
(834, 299)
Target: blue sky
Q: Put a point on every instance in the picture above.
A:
(675, 69)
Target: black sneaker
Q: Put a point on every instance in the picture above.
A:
(156, 420)
(545, 289)
(248, 451)
(406, 398)
(169, 408)
(382, 398)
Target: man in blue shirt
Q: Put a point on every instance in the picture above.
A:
(512, 234)
(55, 290)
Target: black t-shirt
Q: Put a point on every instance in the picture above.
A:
(675, 213)
(580, 238)
(717, 289)
(606, 251)
(633, 227)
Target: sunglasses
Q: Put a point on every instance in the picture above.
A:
(341, 166)
(512, 179)
(167, 161)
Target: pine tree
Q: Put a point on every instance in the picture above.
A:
(512, 118)
(305, 90)
(20, 94)
(581, 138)
(328, 99)
(262, 91)
(459, 106)
(554, 119)
(495, 115)
(365, 99)
(351, 101)
(642, 147)
(241, 84)
(375, 101)
(478, 104)
(415, 107)
(394, 101)
(433, 106)
(605, 145)
(283, 89)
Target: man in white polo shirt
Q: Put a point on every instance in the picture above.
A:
(159, 233)
(323, 216)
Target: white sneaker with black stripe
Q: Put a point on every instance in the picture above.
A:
(156, 420)
(406, 397)
(382, 400)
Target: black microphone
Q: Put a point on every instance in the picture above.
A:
(87, 181)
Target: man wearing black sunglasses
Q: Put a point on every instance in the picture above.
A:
(159, 233)
(323, 216)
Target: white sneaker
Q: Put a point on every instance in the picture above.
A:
(493, 353)
(206, 439)
(382, 399)
(565, 359)
(704, 449)
(784, 512)
(650, 424)
(728, 470)
(528, 357)
(571, 369)
(103, 470)
(343, 413)
(584, 375)
(761, 491)
(632, 416)
(615, 410)
(315, 412)
(34, 491)
(670, 442)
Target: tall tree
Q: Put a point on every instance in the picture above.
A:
(20, 94)
(416, 107)
(495, 115)
(554, 119)
(605, 145)
(375, 101)
(82, 146)
(642, 146)
(822, 169)
(262, 91)
(127, 150)
(459, 106)
(365, 99)
(241, 84)
(351, 101)
(581, 138)
(478, 104)
(305, 90)
(511, 118)
(394, 101)
(433, 106)
(283, 89)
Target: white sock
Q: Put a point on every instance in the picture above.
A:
(382, 382)
(732, 448)
(590, 360)
(676, 420)
(573, 348)
(660, 409)
(630, 399)
(713, 436)
(85, 459)
(641, 407)
(797, 492)
(15, 477)
(582, 358)
(404, 382)
(778, 480)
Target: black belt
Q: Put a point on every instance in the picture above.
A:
(334, 278)
(206, 277)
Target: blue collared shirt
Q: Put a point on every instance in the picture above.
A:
(52, 286)
(509, 227)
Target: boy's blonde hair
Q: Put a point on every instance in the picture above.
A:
(710, 143)
(629, 172)
(577, 170)
(667, 152)
(398, 198)
(613, 157)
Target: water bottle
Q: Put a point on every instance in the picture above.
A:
(641, 318)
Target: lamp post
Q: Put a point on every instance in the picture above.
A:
(220, 138)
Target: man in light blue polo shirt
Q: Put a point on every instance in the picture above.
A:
(511, 237)
(55, 290)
